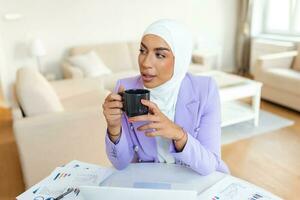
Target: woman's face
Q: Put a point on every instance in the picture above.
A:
(156, 61)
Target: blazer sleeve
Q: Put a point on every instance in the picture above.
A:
(203, 152)
(120, 154)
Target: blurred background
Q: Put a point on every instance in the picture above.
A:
(52, 86)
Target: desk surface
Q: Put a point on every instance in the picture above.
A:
(178, 177)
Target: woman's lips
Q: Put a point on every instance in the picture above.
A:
(148, 77)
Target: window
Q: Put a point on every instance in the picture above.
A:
(282, 17)
(297, 18)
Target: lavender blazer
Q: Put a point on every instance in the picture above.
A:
(197, 112)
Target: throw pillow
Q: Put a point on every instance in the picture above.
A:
(90, 64)
(35, 94)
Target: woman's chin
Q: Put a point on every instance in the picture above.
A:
(150, 84)
(147, 84)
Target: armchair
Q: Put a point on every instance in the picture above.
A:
(280, 78)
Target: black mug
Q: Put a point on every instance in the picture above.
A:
(132, 104)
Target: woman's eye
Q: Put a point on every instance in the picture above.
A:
(142, 51)
(158, 55)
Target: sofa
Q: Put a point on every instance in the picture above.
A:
(56, 122)
(121, 58)
(280, 75)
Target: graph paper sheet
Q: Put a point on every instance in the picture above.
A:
(231, 188)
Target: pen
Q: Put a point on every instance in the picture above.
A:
(64, 194)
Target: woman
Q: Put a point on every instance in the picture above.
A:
(183, 125)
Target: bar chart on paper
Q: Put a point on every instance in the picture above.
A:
(231, 188)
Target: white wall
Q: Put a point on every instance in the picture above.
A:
(64, 23)
(214, 21)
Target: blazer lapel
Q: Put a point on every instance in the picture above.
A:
(187, 106)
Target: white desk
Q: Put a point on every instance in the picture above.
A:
(177, 176)
(151, 176)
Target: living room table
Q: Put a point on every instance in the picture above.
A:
(233, 89)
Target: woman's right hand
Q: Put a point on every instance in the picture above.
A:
(112, 110)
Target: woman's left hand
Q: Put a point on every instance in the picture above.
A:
(159, 124)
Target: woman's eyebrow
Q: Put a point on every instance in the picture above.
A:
(157, 48)
(161, 48)
(142, 44)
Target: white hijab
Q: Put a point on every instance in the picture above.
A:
(165, 95)
(180, 42)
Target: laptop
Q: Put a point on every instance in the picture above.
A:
(114, 193)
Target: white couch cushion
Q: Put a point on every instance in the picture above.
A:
(93, 98)
(296, 65)
(35, 94)
(90, 64)
(283, 79)
(111, 80)
(134, 48)
(72, 87)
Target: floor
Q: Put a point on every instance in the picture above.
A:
(11, 182)
(2, 102)
(271, 161)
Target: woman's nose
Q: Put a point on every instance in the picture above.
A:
(146, 63)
